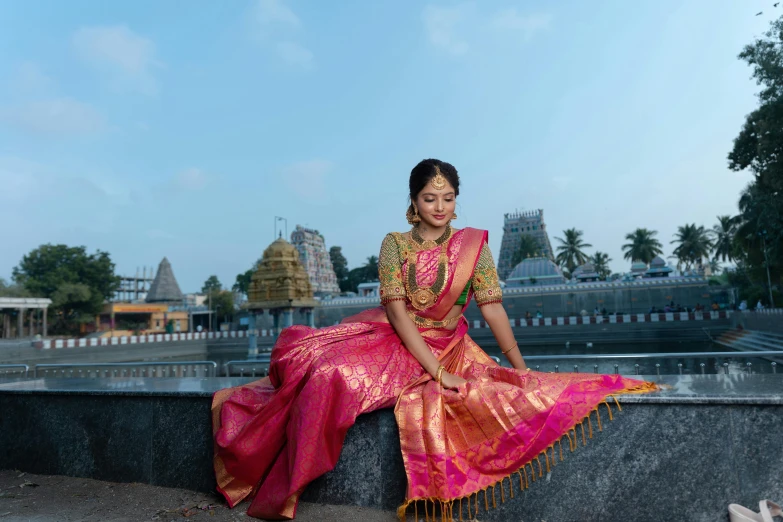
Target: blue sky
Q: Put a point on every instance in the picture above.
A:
(180, 129)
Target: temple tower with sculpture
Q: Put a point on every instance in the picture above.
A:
(279, 286)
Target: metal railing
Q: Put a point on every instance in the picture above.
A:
(250, 367)
(141, 369)
(767, 356)
(14, 370)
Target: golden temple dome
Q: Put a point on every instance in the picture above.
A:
(280, 280)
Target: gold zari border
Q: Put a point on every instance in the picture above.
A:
(431, 323)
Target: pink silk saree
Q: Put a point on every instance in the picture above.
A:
(274, 436)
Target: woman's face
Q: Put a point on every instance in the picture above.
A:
(436, 207)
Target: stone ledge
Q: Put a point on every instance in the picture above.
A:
(655, 462)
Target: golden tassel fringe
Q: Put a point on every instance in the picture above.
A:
(447, 506)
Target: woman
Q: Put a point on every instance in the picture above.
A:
(466, 423)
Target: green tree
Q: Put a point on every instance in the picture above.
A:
(601, 262)
(362, 274)
(759, 149)
(211, 285)
(340, 265)
(242, 283)
(222, 303)
(693, 245)
(723, 238)
(78, 283)
(570, 251)
(528, 247)
(643, 246)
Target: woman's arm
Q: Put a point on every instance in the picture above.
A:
(413, 341)
(495, 316)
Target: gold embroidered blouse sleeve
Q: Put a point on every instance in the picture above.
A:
(486, 284)
(390, 271)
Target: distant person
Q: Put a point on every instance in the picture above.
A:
(743, 306)
(603, 311)
(539, 315)
(759, 305)
(715, 306)
(699, 307)
(528, 315)
(275, 435)
(596, 312)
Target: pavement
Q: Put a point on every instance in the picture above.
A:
(25, 497)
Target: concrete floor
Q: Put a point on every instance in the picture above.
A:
(37, 498)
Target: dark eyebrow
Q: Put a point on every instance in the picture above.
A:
(435, 195)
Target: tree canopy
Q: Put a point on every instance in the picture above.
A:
(570, 251)
(78, 283)
(212, 284)
(643, 246)
(528, 247)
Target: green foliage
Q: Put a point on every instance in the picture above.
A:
(78, 283)
(212, 284)
(601, 262)
(693, 244)
(242, 283)
(758, 241)
(723, 238)
(570, 251)
(12, 290)
(362, 274)
(222, 303)
(643, 246)
(528, 247)
(340, 265)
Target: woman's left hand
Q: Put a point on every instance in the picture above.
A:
(451, 382)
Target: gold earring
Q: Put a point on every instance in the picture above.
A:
(412, 217)
(453, 217)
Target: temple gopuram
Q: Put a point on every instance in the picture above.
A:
(516, 225)
(280, 285)
(316, 261)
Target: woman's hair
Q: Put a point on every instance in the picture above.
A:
(425, 171)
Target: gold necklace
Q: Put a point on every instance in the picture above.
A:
(426, 244)
(425, 297)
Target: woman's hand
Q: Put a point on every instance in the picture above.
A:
(451, 382)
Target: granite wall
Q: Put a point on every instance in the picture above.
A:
(679, 455)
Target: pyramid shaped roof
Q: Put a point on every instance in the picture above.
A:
(165, 287)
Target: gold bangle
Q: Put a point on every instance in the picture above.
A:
(439, 375)
(516, 345)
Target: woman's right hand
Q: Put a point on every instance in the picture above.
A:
(451, 382)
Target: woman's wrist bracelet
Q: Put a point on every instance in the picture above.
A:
(439, 375)
(516, 345)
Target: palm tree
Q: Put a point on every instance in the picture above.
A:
(723, 235)
(528, 247)
(694, 244)
(570, 254)
(601, 262)
(643, 246)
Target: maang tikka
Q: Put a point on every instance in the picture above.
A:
(439, 181)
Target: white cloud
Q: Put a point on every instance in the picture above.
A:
(126, 57)
(191, 179)
(526, 25)
(273, 26)
(441, 25)
(295, 54)
(56, 116)
(308, 178)
(269, 12)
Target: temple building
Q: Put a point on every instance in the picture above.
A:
(539, 271)
(658, 268)
(585, 273)
(160, 312)
(280, 286)
(515, 225)
(316, 261)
